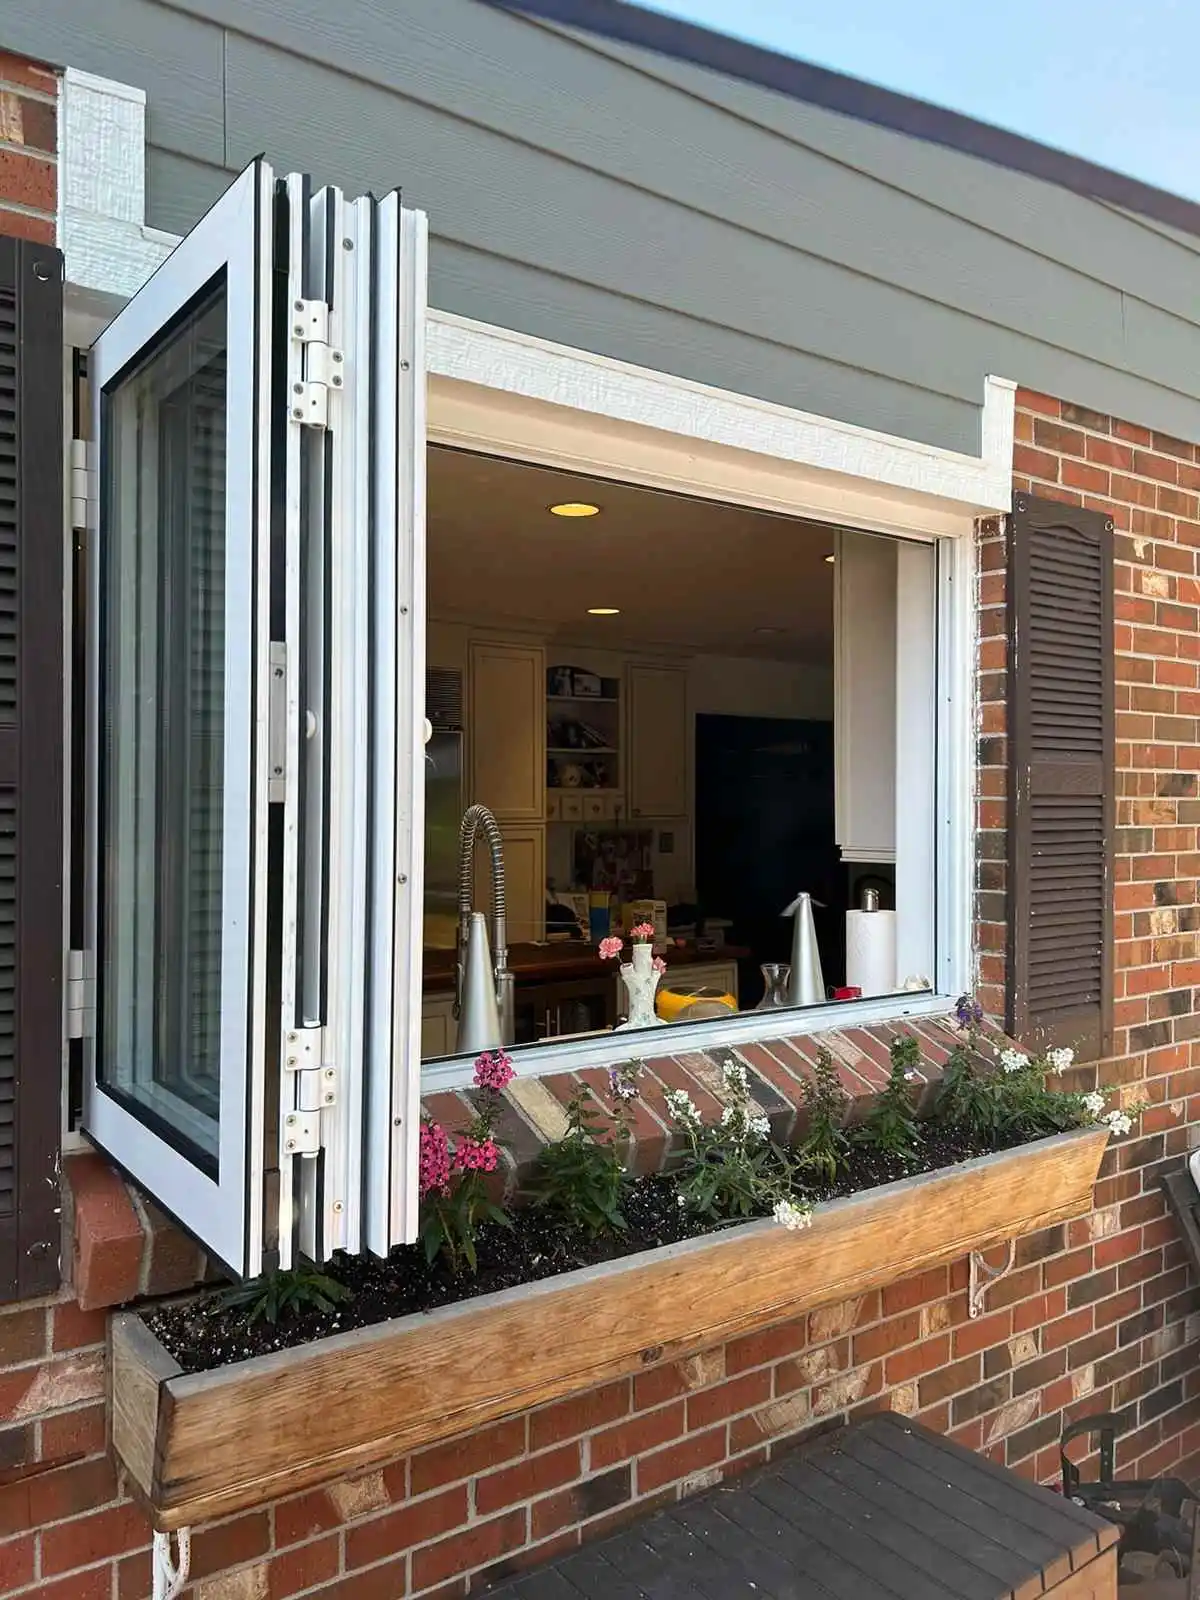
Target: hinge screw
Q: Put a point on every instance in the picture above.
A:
(347, 244)
(299, 305)
(337, 355)
(329, 1097)
(289, 1144)
(297, 388)
(338, 1207)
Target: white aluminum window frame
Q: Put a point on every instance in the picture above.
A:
(225, 1211)
(529, 400)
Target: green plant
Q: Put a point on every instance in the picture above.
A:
(582, 1177)
(825, 1146)
(890, 1127)
(731, 1170)
(967, 1098)
(455, 1202)
(287, 1294)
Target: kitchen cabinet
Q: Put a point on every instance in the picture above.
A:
(524, 881)
(657, 700)
(438, 1027)
(864, 715)
(506, 728)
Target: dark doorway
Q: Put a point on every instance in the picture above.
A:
(764, 832)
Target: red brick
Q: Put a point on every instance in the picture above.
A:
(69, 1435)
(74, 1328)
(535, 1475)
(727, 1399)
(22, 1336)
(85, 1540)
(679, 1460)
(303, 1567)
(108, 1234)
(581, 1414)
(411, 1524)
(982, 1333)
(761, 1349)
(916, 1291)
(911, 1363)
(470, 1548)
(27, 180)
(638, 1434)
(134, 1577)
(20, 225)
(49, 1496)
(16, 1562)
(583, 1502)
(463, 1458)
(385, 1582)
(95, 1584)
(228, 1544)
(304, 1516)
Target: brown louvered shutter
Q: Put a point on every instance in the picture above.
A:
(31, 764)
(1062, 775)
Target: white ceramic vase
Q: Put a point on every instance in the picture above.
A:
(641, 982)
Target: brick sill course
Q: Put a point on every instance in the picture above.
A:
(124, 1249)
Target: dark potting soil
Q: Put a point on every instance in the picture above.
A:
(209, 1332)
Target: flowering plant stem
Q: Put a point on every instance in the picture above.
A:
(455, 1202)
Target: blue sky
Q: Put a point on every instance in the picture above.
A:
(1115, 82)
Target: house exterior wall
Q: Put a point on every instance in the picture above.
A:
(661, 214)
(1100, 1313)
(28, 148)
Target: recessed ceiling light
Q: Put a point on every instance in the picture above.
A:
(604, 611)
(575, 508)
(830, 558)
(768, 630)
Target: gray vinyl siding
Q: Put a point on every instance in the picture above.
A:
(649, 210)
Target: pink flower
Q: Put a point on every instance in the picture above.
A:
(643, 933)
(476, 1155)
(659, 965)
(610, 948)
(494, 1070)
(433, 1162)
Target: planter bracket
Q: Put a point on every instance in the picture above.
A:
(983, 1276)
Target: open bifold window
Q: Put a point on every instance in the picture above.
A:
(257, 602)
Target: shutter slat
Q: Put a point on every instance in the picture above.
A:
(1061, 702)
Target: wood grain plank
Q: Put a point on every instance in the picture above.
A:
(246, 1433)
(138, 1369)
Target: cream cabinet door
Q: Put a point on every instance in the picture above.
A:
(658, 741)
(438, 1027)
(524, 882)
(864, 700)
(506, 729)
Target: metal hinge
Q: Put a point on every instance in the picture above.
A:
(323, 365)
(81, 995)
(83, 483)
(316, 1088)
(277, 723)
(302, 1133)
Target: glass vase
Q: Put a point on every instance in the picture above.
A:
(776, 976)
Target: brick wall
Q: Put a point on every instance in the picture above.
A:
(28, 149)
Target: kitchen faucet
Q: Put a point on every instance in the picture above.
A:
(483, 985)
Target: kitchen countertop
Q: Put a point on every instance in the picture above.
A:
(566, 963)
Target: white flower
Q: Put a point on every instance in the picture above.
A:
(682, 1108)
(679, 1200)
(1061, 1058)
(730, 1114)
(1013, 1060)
(911, 1075)
(735, 1078)
(1119, 1122)
(1093, 1103)
(760, 1127)
(791, 1216)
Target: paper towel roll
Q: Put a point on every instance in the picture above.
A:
(871, 951)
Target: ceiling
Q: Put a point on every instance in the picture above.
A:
(689, 574)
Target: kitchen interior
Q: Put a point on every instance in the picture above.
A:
(658, 712)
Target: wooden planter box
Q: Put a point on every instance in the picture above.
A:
(215, 1442)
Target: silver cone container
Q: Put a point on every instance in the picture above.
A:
(807, 985)
(479, 1016)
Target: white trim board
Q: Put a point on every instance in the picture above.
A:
(508, 393)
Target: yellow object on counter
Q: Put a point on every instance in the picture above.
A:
(679, 996)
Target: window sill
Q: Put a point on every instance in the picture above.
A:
(208, 1444)
(685, 1039)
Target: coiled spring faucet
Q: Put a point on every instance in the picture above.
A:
(476, 820)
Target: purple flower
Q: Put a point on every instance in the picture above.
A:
(969, 1012)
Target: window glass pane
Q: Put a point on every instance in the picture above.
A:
(163, 694)
(711, 726)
